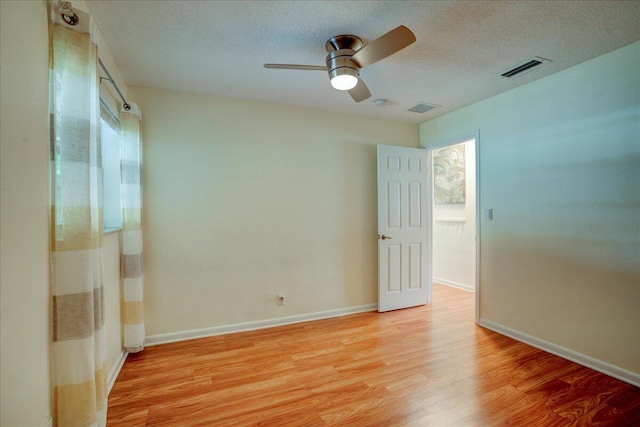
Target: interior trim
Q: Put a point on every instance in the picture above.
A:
(115, 370)
(451, 283)
(579, 358)
(170, 337)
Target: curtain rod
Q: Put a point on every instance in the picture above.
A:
(68, 15)
(113, 82)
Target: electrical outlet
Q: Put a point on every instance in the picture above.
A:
(281, 299)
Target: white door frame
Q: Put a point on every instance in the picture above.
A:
(453, 141)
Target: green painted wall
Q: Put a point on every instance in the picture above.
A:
(560, 166)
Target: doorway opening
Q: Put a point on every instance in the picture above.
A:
(453, 206)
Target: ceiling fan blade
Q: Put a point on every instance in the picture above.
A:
(296, 67)
(360, 92)
(385, 45)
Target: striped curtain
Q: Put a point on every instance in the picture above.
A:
(78, 355)
(131, 249)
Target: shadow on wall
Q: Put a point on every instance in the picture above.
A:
(600, 322)
(359, 241)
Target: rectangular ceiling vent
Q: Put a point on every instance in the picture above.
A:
(423, 107)
(525, 68)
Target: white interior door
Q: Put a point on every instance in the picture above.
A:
(402, 228)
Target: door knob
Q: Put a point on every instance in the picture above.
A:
(383, 237)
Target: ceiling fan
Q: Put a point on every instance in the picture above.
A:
(347, 56)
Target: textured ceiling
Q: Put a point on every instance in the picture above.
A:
(219, 47)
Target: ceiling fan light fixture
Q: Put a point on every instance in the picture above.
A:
(344, 78)
(347, 56)
(344, 82)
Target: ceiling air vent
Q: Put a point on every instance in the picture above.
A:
(526, 67)
(423, 107)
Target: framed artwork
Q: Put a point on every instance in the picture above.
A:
(448, 175)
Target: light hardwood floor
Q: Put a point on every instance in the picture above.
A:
(424, 366)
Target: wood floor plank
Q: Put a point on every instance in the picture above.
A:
(424, 366)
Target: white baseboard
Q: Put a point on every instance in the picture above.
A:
(115, 370)
(152, 340)
(469, 288)
(49, 422)
(565, 353)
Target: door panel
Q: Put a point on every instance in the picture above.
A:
(394, 258)
(402, 227)
(415, 265)
(393, 205)
(415, 205)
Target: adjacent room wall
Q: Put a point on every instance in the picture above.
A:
(560, 166)
(454, 243)
(24, 218)
(244, 200)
